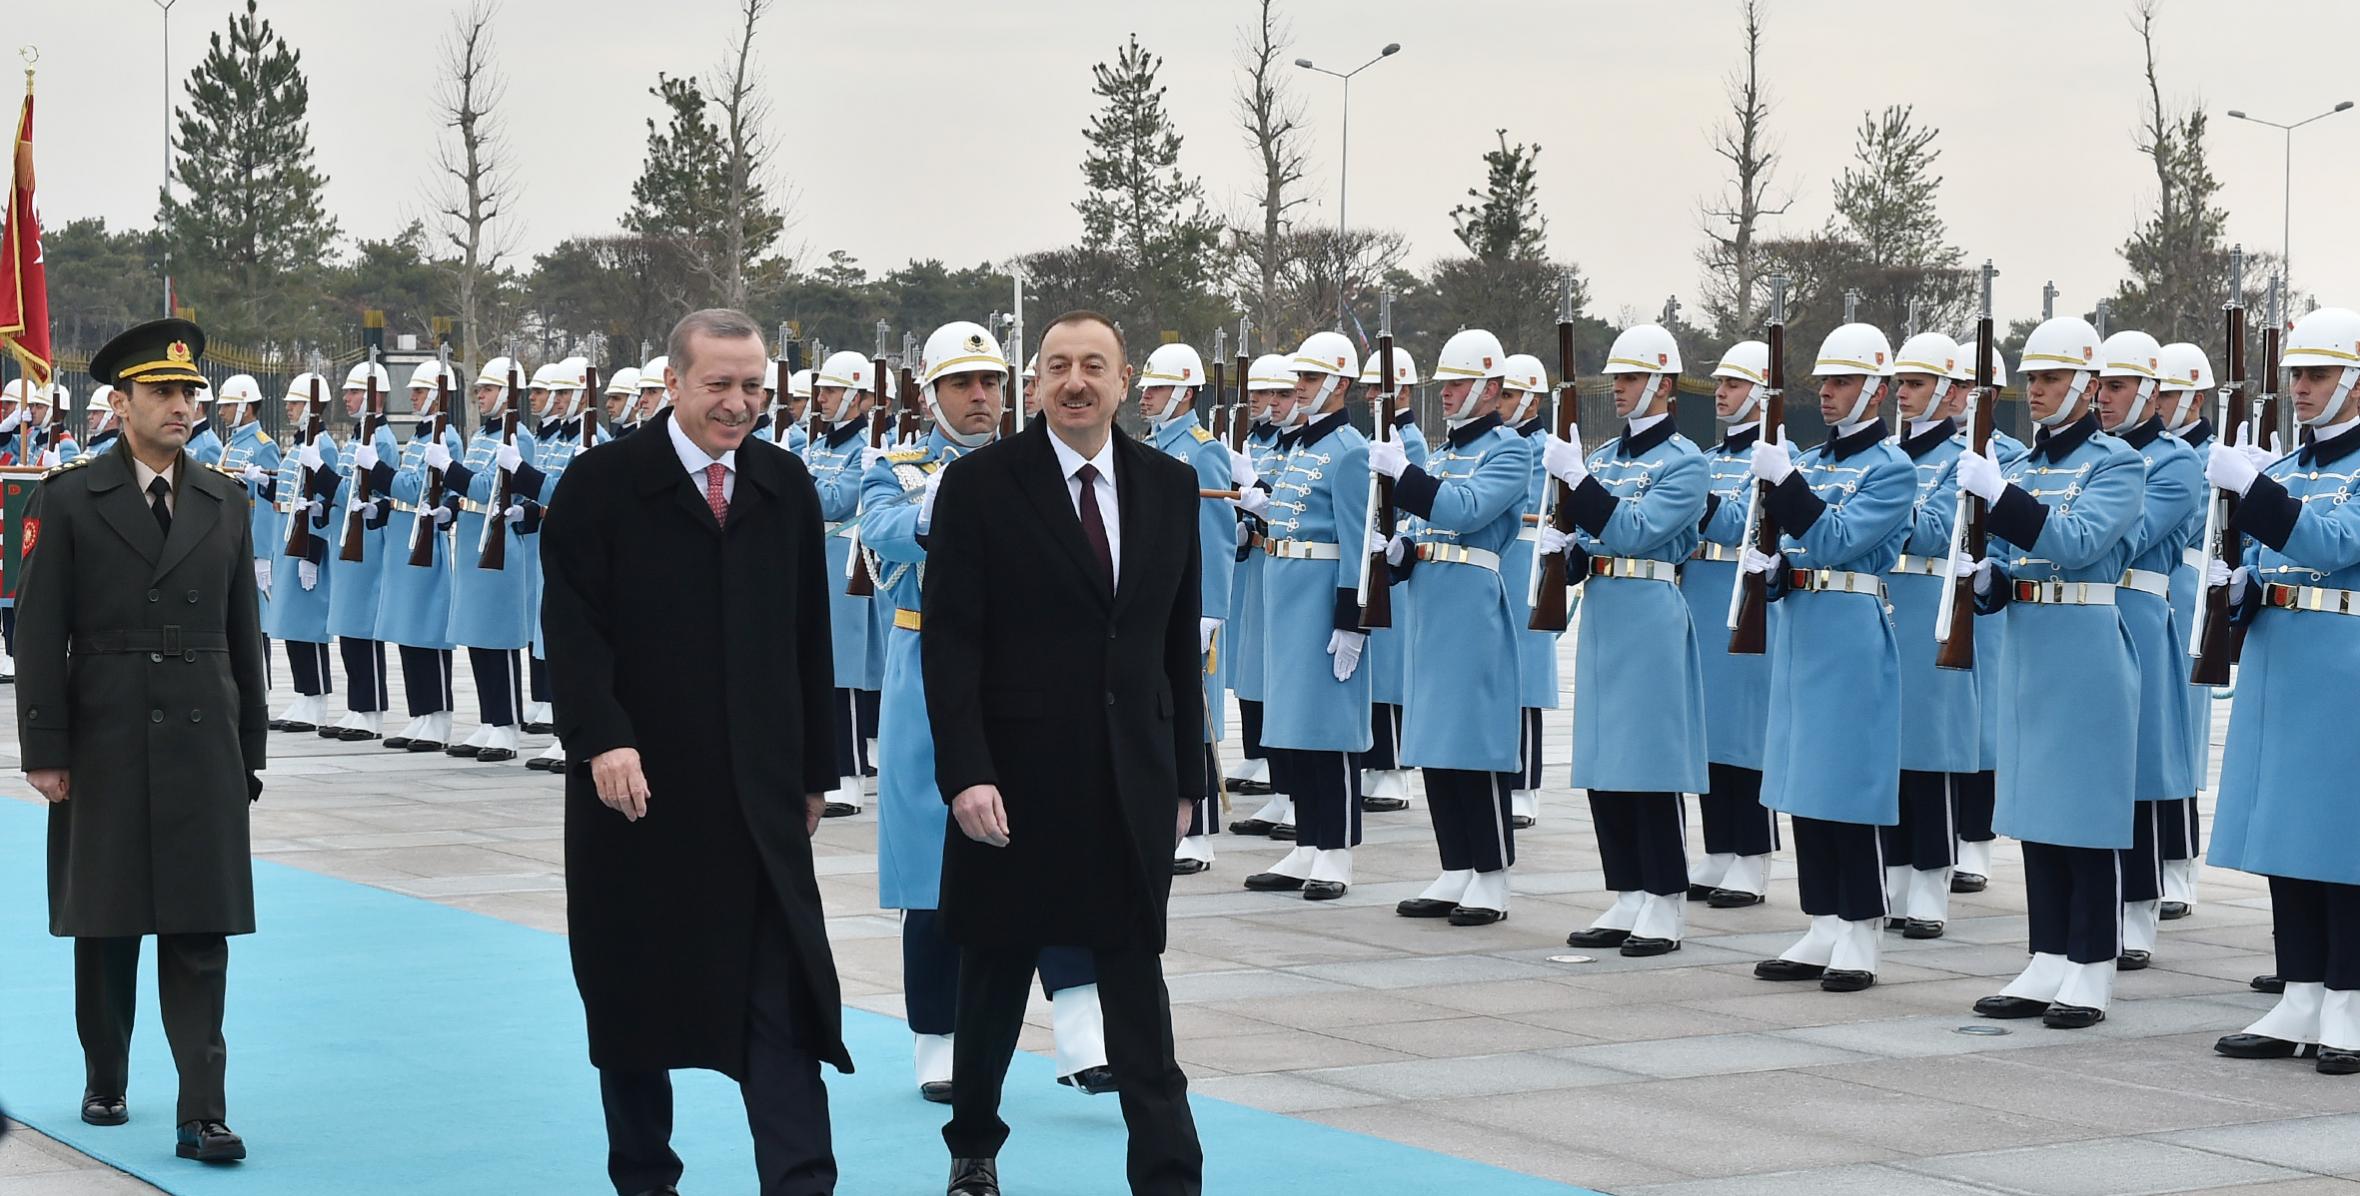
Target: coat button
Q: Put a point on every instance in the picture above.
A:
(154, 596)
(155, 716)
(190, 656)
(1110, 697)
(192, 597)
(196, 716)
(155, 658)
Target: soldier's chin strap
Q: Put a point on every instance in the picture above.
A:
(1525, 402)
(2181, 408)
(2335, 402)
(1753, 403)
(2138, 412)
(2073, 393)
(955, 436)
(1872, 390)
(1466, 410)
(1177, 406)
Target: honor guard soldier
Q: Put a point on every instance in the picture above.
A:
(563, 399)
(1978, 792)
(1739, 831)
(204, 440)
(2127, 411)
(1638, 689)
(1832, 748)
(1167, 400)
(254, 458)
(575, 429)
(2060, 524)
(414, 607)
(490, 616)
(1315, 720)
(297, 615)
(621, 399)
(1939, 727)
(12, 421)
(142, 714)
(1268, 378)
(353, 600)
(2187, 383)
(792, 401)
(1526, 412)
(1384, 779)
(964, 375)
(104, 430)
(47, 444)
(836, 461)
(652, 395)
(1466, 505)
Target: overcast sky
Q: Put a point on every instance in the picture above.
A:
(952, 128)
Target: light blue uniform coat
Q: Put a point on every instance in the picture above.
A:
(911, 812)
(2187, 587)
(248, 446)
(297, 613)
(1216, 528)
(1463, 623)
(1736, 688)
(835, 465)
(1320, 495)
(489, 607)
(352, 608)
(1536, 651)
(557, 450)
(1939, 723)
(2175, 489)
(1991, 636)
(1244, 629)
(1387, 658)
(414, 608)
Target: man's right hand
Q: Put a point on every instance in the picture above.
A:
(621, 784)
(56, 784)
(982, 815)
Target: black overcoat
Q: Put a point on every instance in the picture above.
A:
(139, 663)
(1082, 706)
(706, 649)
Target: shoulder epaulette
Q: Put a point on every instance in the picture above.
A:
(69, 466)
(907, 456)
(1202, 436)
(226, 472)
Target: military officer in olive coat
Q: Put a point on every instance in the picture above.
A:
(142, 717)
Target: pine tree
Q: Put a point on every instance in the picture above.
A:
(1885, 207)
(1141, 210)
(248, 236)
(681, 199)
(1505, 224)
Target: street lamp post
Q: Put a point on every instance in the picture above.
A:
(1344, 170)
(165, 6)
(2286, 214)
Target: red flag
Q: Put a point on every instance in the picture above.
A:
(24, 282)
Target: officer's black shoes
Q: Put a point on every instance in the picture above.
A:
(1922, 928)
(937, 1092)
(1733, 898)
(1896, 923)
(1597, 937)
(104, 1110)
(1250, 788)
(1284, 832)
(1788, 969)
(463, 751)
(396, 743)
(839, 809)
(1640, 946)
(974, 1177)
(2262, 1046)
(1468, 915)
(1093, 1081)
(1324, 890)
(1523, 822)
(2266, 984)
(209, 1142)
(425, 745)
(1846, 980)
(1968, 882)
(1700, 892)
(2173, 911)
(278, 724)
(1425, 907)
(2071, 1017)
(1383, 805)
(545, 764)
(1185, 866)
(1273, 882)
(2132, 961)
(538, 728)
(298, 727)
(495, 755)
(2010, 1008)
(1251, 826)
(2335, 1062)
(356, 734)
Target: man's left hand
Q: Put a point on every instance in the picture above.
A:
(55, 784)
(981, 814)
(815, 807)
(1187, 815)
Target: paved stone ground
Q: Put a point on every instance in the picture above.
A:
(1676, 1076)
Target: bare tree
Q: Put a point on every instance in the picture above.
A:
(2156, 139)
(743, 111)
(1273, 123)
(1731, 255)
(475, 175)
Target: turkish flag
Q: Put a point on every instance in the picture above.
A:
(24, 282)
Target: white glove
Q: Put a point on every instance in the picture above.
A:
(307, 574)
(1377, 543)
(508, 458)
(49, 458)
(1757, 561)
(1397, 550)
(12, 421)
(251, 474)
(1980, 571)
(1345, 646)
(2216, 573)
(1241, 470)
(442, 515)
(438, 456)
(2253, 452)
(365, 457)
(1554, 541)
(926, 501)
(372, 508)
(1388, 458)
(1245, 535)
(1254, 499)
(1563, 458)
(2237, 580)
(514, 513)
(1204, 634)
(309, 455)
(1979, 475)
(315, 508)
(1772, 462)
(2231, 468)
(869, 458)
(262, 575)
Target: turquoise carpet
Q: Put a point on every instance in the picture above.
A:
(384, 1044)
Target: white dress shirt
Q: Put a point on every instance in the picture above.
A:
(1070, 464)
(696, 462)
(145, 477)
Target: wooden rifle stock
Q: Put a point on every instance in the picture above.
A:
(1967, 538)
(858, 584)
(1749, 625)
(1376, 590)
(590, 401)
(299, 533)
(494, 552)
(2217, 643)
(1550, 601)
(356, 523)
(431, 496)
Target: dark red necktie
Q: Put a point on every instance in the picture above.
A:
(1094, 524)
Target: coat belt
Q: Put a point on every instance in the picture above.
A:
(2147, 581)
(908, 620)
(1304, 550)
(1459, 554)
(1634, 568)
(1835, 581)
(2317, 599)
(1709, 551)
(1931, 566)
(171, 641)
(1530, 535)
(2194, 558)
(2065, 593)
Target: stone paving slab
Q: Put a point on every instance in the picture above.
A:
(2117, 1167)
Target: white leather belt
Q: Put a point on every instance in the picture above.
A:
(1930, 566)
(2065, 593)
(1459, 554)
(2318, 599)
(1633, 568)
(1709, 551)
(1530, 535)
(2147, 581)
(2194, 558)
(1304, 550)
(1834, 581)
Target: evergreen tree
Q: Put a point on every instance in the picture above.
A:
(248, 237)
(1142, 212)
(100, 281)
(2179, 256)
(1505, 224)
(1885, 206)
(681, 200)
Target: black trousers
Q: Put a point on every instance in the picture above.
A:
(851, 749)
(1249, 729)
(536, 671)
(497, 682)
(8, 628)
(1326, 789)
(1384, 752)
(2318, 925)
(1204, 816)
(2073, 901)
(930, 972)
(786, 1104)
(2180, 829)
(1640, 843)
(192, 983)
(1165, 1158)
(1528, 749)
(1839, 868)
(426, 680)
(364, 674)
(2142, 861)
(309, 664)
(869, 711)
(1926, 838)
(1735, 820)
(1977, 794)
(1473, 827)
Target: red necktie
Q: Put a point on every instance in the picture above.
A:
(1093, 523)
(716, 497)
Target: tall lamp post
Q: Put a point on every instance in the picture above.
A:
(165, 6)
(1344, 172)
(2286, 217)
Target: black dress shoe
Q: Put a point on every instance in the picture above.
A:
(278, 724)
(1968, 882)
(396, 743)
(2071, 1017)
(1788, 969)
(2010, 1008)
(1597, 937)
(298, 728)
(1424, 907)
(538, 728)
(1700, 892)
(666, 1190)
(1251, 826)
(2334, 1062)
(839, 809)
(2262, 1046)
(2267, 984)
(1273, 882)
(462, 751)
(1323, 890)
(1847, 980)
(1283, 832)
(424, 745)
(1094, 1081)
(1640, 946)
(1251, 788)
(209, 1142)
(2173, 911)
(1735, 899)
(974, 1177)
(329, 732)
(936, 1092)
(493, 755)
(2132, 961)
(1922, 928)
(105, 1110)
(1188, 866)
(1383, 805)
(1522, 822)
(356, 735)
(1468, 915)
(1896, 923)
(541, 764)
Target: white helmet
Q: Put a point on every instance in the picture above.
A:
(239, 390)
(1931, 353)
(1173, 365)
(496, 371)
(1474, 354)
(299, 387)
(1966, 364)
(2185, 367)
(961, 347)
(102, 407)
(1405, 370)
(651, 375)
(770, 378)
(1271, 371)
(55, 394)
(2133, 354)
(1327, 353)
(16, 390)
(1643, 349)
(624, 381)
(429, 373)
(1032, 365)
(843, 369)
(359, 376)
(573, 373)
(544, 377)
(2328, 336)
(2062, 343)
(1524, 376)
(1746, 361)
(1856, 349)
(799, 384)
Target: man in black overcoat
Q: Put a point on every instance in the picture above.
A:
(1062, 674)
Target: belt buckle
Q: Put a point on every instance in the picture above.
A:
(2027, 591)
(172, 640)
(1601, 566)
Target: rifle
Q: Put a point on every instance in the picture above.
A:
(2270, 425)
(1749, 598)
(372, 418)
(912, 418)
(1241, 416)
(590, 401)
(1548, 600)
(2215, 644)
(1954, 615)
(1219, 382)
(299, 538)
(857, 582)
(790, 362)
(492, 551)
(1376, 591)
(423, 533)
